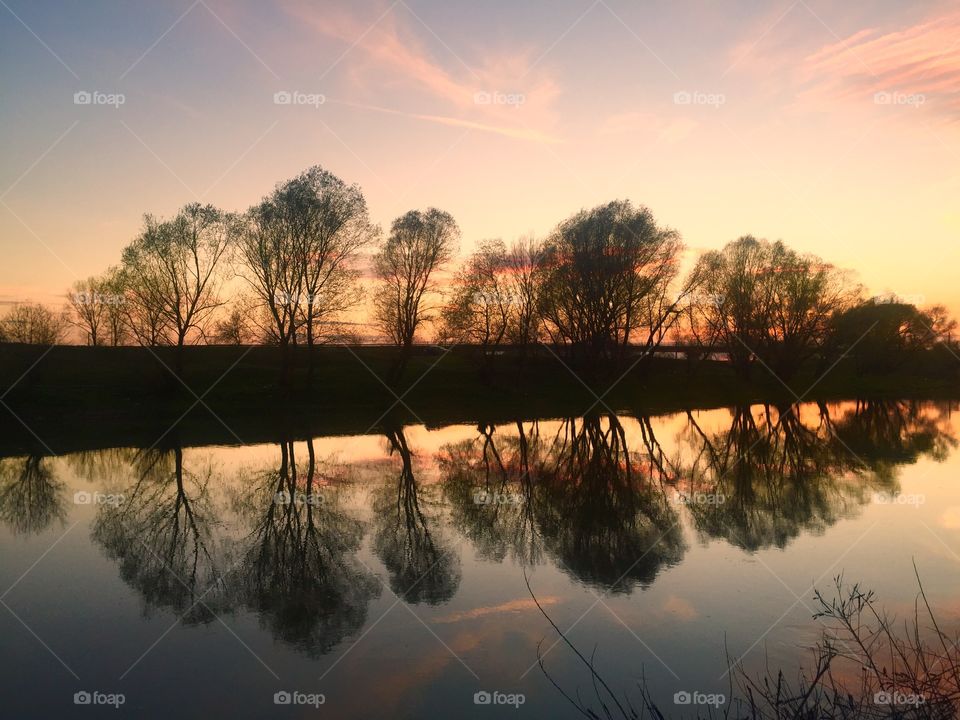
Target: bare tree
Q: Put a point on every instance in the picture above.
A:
(420, 244)
(88, 309)
(235, 328)
(172, 268)
(524, 265)
(116, 330)
(480, 307)
(33, 324)
(96, 309)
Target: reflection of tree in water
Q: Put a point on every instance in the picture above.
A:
(885, 434)
(105, 466)
(298, 568)
(31, 497)
(765, 480)
(408, 539)
(496, 469)
(582, 497)
(162, 536)
(600, 513)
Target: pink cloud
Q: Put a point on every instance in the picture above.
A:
(921, 61)
(383, 51)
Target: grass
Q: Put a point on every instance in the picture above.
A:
(69, 398)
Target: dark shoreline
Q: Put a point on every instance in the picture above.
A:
(70, 398)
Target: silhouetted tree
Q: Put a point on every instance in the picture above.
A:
(765, 301)
(299, 248)
(882, 335)
(420, 243)
(524, 270)
(172, 268)
(479, 308)
(608, 273)
(33, 324)
(89, 305)
(234, 328)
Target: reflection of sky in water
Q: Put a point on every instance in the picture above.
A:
(325, 619)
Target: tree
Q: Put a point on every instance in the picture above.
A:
(336, 227)
(234, 329)
(89, 309)
(172, 267)
(480, 307)
(607, 274)
(884, 334)
(33, 324)
(299, 248)
(769, 303)
(114, 292)
(524, 272)
(97, 308)
(420, 243)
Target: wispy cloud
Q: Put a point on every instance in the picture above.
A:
(920, 61)
(518, 133)
(386, 57)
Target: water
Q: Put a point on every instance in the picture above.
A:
(388, 572)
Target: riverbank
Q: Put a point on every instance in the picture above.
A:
(69, 398)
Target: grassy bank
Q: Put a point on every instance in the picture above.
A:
(69, 398)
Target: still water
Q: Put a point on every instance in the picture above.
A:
(386, 575)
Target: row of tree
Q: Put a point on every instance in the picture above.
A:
(605, 284)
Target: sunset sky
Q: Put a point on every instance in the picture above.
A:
(830, 125)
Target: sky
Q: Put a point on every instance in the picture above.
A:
(832, 126)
